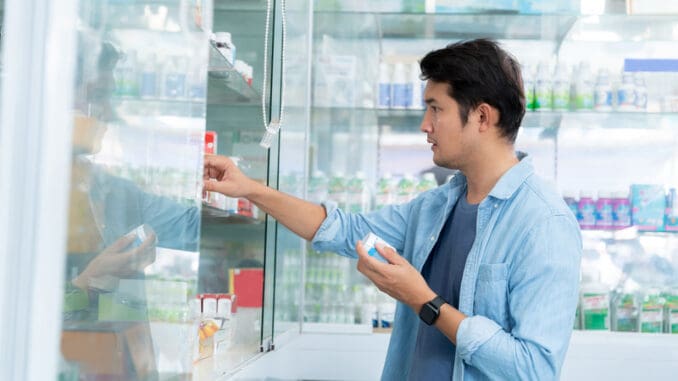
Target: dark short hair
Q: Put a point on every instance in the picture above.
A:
(480, 71)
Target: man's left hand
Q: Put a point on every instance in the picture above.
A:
(398, 278)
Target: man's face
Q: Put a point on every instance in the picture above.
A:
(91, 123)
(451, 141)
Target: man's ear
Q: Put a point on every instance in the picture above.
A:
(487, 116)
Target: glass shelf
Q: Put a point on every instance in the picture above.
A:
(541, 119)
(160, 106)
(612, 28)
(625, 234)
(151, 15)
(497, 25)
(225, 84)
(216, 215)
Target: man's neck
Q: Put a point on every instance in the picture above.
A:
(486, 173)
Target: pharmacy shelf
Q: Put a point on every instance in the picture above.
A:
(145, 15)
(615, 28)
(495, 24)
(392, 25)
(547, 119)
(225, 84)
(626, 234)
(220, 216)
(159, 106)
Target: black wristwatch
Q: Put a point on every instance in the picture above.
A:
(429, 312)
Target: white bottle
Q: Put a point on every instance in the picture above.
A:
(175, 78)
(543, 89)
(225, 46)
(384, 92)
(416, 101)
(528, 86)
(149, 77)
(358, 194)
(406, 189)
(317, 187)
(595, 306)
(399, 86)
(385, 192)
(583, 88)
(603, 91)
(641, 93)
(426, 182)
(125, 75)
(626, 94)
(336, 189)
(561, 88)
(197, 83)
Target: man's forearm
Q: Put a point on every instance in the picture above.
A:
(300, 216)
(448, 321)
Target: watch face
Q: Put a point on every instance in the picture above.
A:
(428, 314)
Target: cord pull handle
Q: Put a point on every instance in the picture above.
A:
(270, 134)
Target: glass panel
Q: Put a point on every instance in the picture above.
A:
(234, 242)
(445, 26)
(136, 179)
(293, 164)
(2, 33)
(343, 161)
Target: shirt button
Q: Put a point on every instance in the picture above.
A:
(496, 205)
(433, 238)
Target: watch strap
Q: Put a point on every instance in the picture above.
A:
(437, 302)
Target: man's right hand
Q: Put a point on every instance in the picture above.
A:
(222, 175)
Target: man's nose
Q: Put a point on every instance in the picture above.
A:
(425, 125)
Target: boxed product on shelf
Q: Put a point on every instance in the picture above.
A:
(648, 203)
(109, 350)
(247, 284)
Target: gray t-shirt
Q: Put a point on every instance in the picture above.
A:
(433, 357)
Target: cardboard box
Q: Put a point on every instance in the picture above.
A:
(248, 286)
(114, 351)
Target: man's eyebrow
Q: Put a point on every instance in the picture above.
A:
(429, 100)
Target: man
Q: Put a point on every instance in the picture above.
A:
(488, 277)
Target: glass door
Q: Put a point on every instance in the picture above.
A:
(138, 121)
(237, 241)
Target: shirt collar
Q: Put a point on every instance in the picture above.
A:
(509, 182)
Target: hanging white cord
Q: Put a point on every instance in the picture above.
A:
(273, 126)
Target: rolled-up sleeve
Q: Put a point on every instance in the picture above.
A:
(341, 230)
(543, 285)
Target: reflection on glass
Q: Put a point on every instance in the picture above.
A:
(134, 215)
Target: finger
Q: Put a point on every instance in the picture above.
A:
(217, 161)
(388, 253)
(210, 186)
(121, 243)
(360, 249)
(366, 263)
(146, 258)
(149, 242)
(213, 166)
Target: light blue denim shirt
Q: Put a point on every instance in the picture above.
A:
(520, 283)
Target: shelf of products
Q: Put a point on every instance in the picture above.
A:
(603, 125)
(167, 16)
(215, 215)
(615, 28)
(444, 25)
(228, 85)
